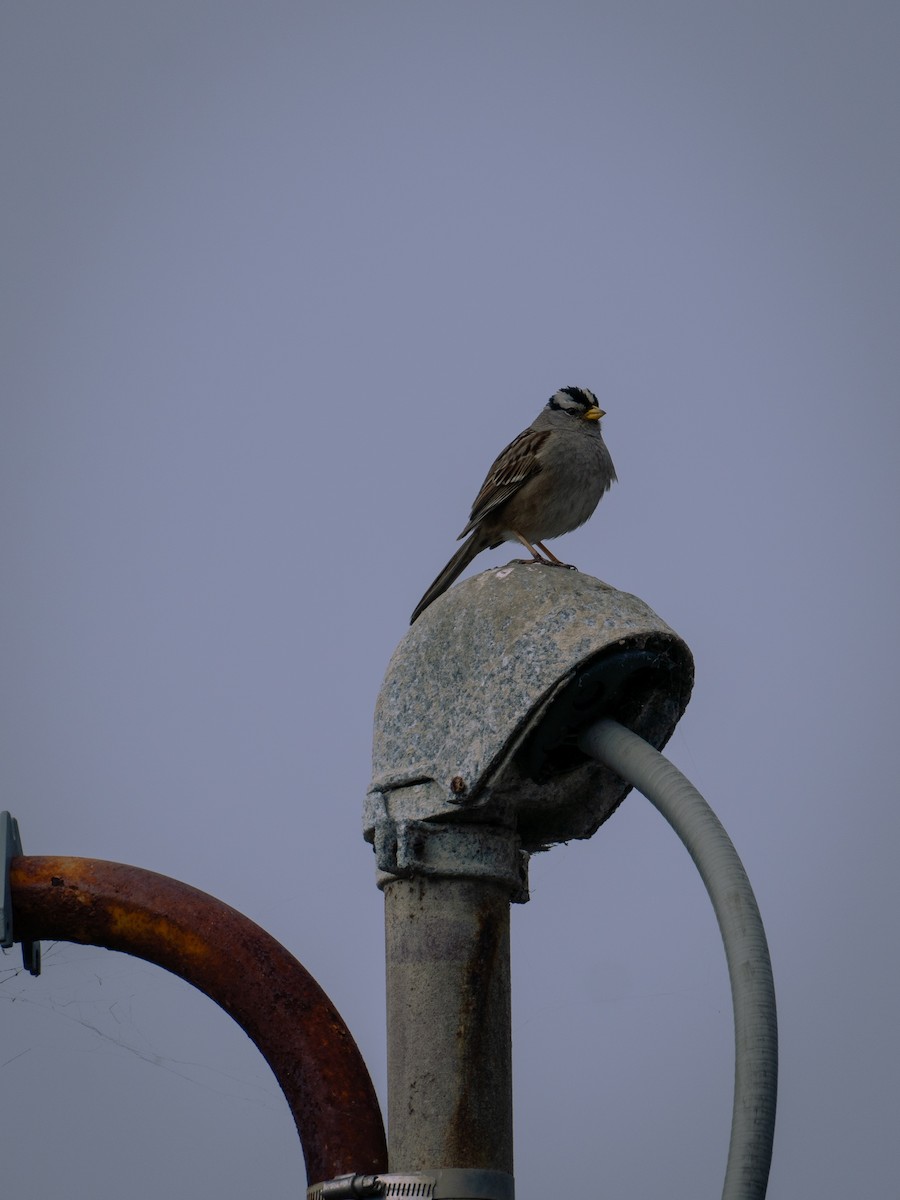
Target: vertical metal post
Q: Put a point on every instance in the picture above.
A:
(475, 765)
(448, 1012)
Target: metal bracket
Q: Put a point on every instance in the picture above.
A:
(407, 848)
(450, 1184)
(10, 848)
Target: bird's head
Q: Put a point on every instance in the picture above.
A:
(576, 402)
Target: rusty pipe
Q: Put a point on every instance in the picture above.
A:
(237, 964)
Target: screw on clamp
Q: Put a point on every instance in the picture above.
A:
(347, 1187)
(10, 848)
(444, 1184)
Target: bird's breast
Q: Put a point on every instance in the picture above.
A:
(565, 493)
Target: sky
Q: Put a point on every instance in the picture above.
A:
(278, 282)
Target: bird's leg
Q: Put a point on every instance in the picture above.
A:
(535, 557)
(552, 560)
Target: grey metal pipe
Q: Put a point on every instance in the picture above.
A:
(448, 1011)
(749, 967)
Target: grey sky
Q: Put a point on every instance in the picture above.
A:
(278, 282)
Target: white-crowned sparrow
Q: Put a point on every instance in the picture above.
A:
(546, 482)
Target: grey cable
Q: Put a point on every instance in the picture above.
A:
(749, 968)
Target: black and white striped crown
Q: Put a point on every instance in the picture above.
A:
(574, 400)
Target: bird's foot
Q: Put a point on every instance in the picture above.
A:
(544, 562)
(550, 557)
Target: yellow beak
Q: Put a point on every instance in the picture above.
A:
(594, 414)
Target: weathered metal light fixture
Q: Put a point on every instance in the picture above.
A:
(479, 712)
(477, 765)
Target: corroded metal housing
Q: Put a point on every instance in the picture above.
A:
(483, 700)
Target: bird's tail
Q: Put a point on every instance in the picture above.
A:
(472, 546)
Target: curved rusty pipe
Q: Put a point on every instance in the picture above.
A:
(246, 972)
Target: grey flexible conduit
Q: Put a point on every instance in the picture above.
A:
(749, 968)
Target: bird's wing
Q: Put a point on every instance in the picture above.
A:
(512, 467)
